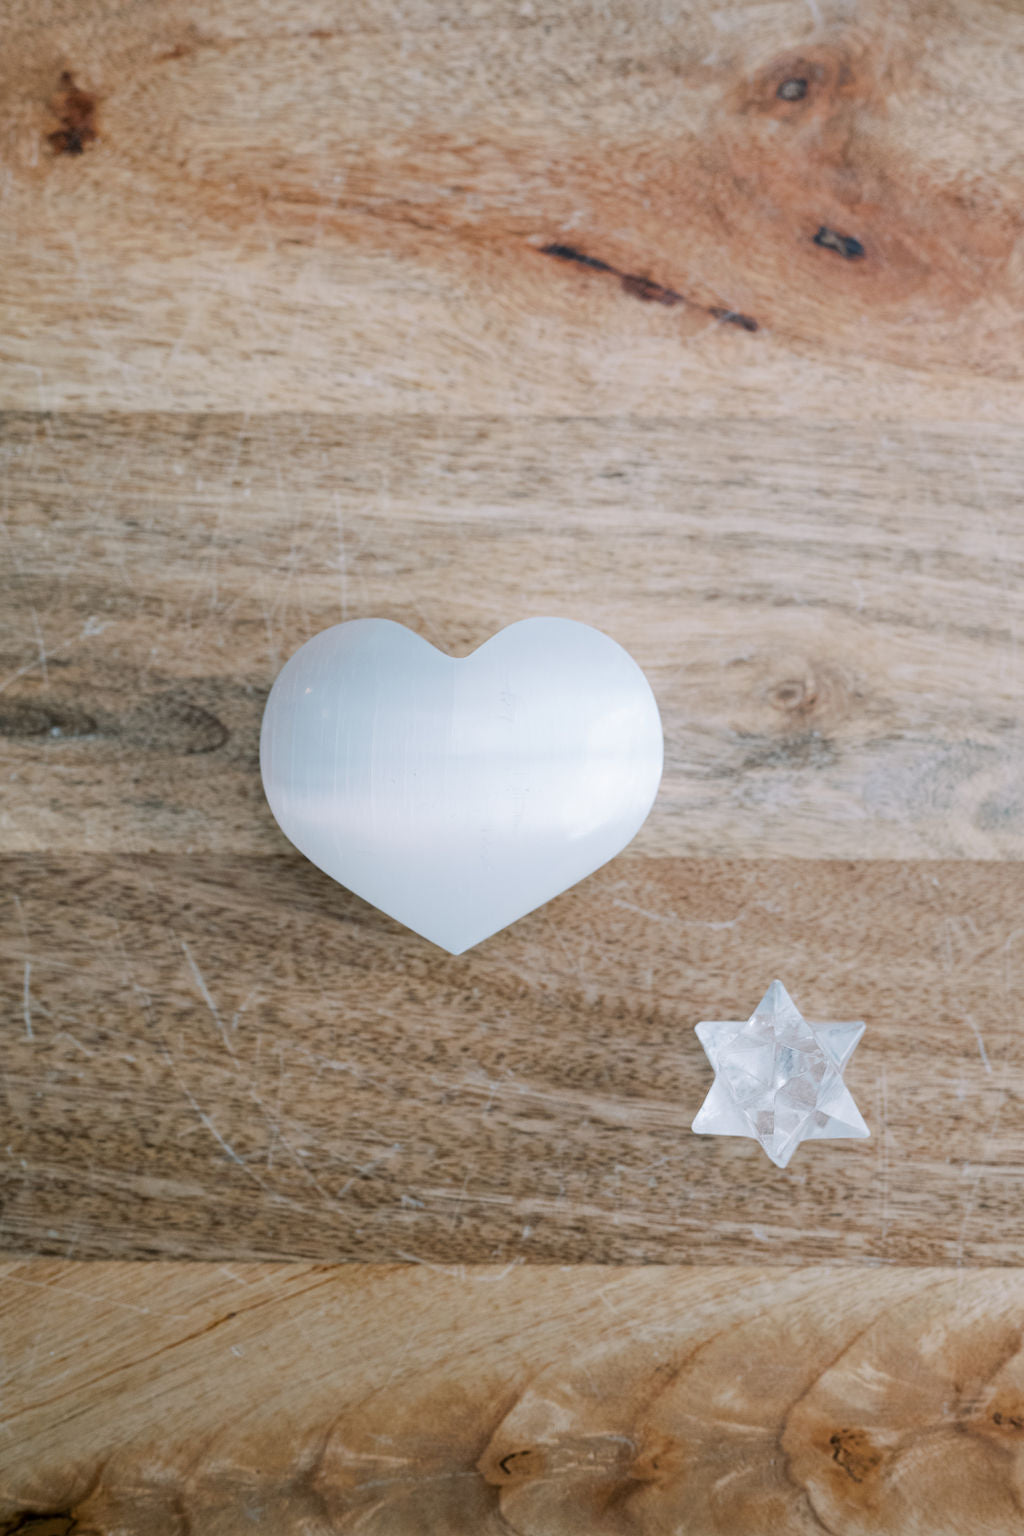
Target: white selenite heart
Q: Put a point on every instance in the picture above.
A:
(458, 793)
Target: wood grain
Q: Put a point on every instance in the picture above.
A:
(783, 210)
(828, 615)
(313, 318)
(704, 328)
(722, 1402)
(230, 1057)
(704, 325)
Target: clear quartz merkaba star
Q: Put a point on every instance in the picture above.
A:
(779, 1078)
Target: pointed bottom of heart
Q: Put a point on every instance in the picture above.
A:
(444, 911)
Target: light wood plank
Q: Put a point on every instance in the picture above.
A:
(722, 1402)
(219, 1057)
(277, 207)
(829, 615)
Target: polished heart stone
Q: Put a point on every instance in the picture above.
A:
(457, 794)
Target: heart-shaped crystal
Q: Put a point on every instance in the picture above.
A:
(457, 794)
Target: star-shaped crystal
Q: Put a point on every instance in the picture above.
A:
(778, 1078)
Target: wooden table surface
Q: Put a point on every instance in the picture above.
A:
(701, 325)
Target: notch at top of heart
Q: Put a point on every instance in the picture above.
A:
(459, 793)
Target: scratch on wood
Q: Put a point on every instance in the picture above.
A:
(27, 1000)
(981, 1044)
(208, 1125)
(9, 1276)
(204, 992)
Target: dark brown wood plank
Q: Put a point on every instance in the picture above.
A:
(225, 1057)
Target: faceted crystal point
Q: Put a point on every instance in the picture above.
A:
(778, 1078)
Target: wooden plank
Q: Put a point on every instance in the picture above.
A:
(829, 616)
(230, 1057)
(704, 326)
(717, 1402)
(779, 210)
